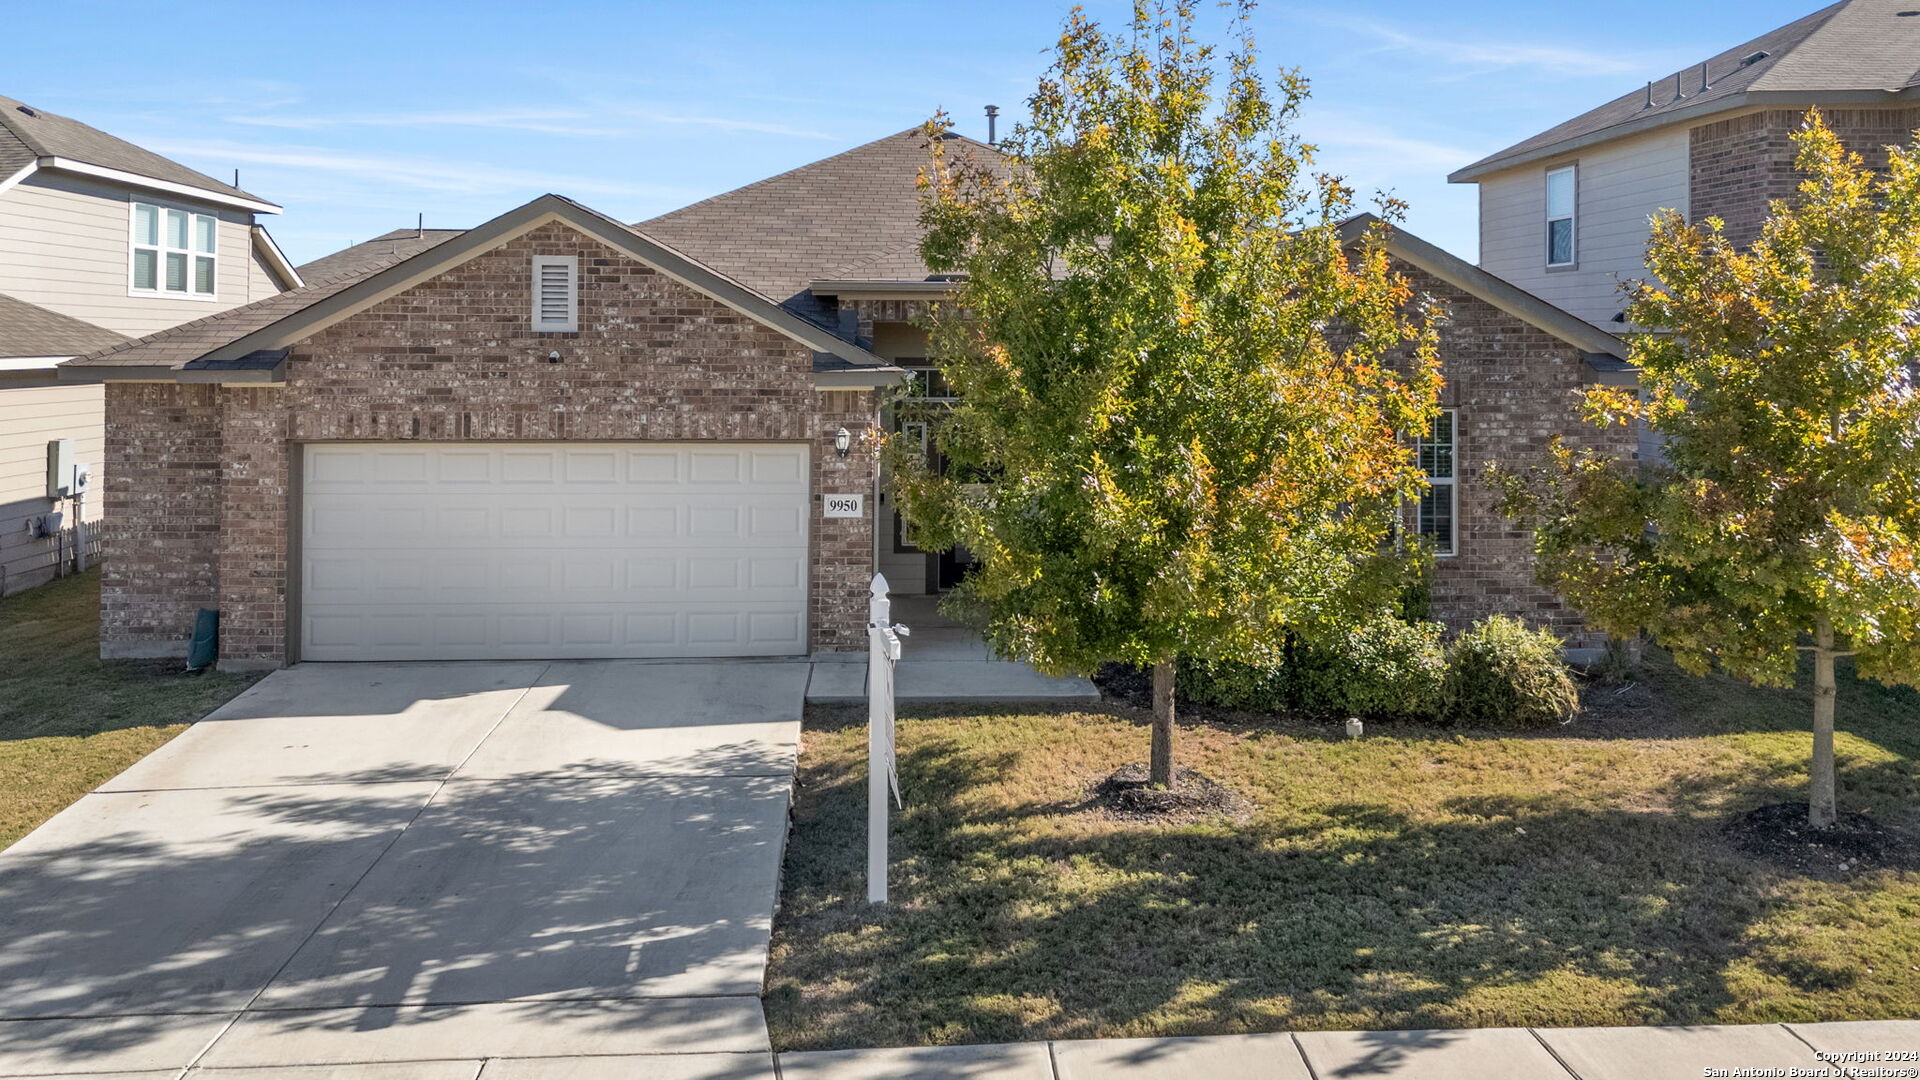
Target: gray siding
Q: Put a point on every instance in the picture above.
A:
(64, 244)
(1621, 185)
(31, 416)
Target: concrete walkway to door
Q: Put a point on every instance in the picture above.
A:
(542, 870)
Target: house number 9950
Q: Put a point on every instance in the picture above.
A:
(845, 506)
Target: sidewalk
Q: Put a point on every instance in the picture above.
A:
(1483, 1054)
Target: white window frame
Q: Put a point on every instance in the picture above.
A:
(162, 249)
(542, 324)
(1571, 217)
(1451, 483)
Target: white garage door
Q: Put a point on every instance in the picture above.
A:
(471, 551)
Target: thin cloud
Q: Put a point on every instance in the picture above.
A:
(1383, 150)
(420, 174)
(1481, 55)
(612, 121)
(546, 121)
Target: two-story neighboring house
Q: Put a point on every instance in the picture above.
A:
(1564, 214)
(100, 241)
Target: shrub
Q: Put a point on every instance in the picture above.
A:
(1500, 672)
(1386, 669)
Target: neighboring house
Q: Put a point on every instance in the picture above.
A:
(100, 240)
(556, 435)
(1564, 214)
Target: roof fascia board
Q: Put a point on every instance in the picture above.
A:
(449, 253)
(1744, 101)
(25, 171)
(882, 290)
(868, 379)
(160, 373)
(1490, 288)
(31, 363)
(263, 242)
(137, 180)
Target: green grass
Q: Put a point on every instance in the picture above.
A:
(1420, 877)
(68, 720)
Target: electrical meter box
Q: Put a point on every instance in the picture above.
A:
(59, 468)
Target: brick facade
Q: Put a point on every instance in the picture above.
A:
(1515, 388)
(1740, 164)
(202, 483)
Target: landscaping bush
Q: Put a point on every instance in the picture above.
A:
(1500, 672)
(1387, 669)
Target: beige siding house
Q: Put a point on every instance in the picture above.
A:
(100, 241)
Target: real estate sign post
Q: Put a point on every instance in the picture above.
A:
(883, 648)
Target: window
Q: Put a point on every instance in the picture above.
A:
(1562, 192)
(556, 294)
(174, 252)
(1440, 503)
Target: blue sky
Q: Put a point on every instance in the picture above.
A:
(357, 116)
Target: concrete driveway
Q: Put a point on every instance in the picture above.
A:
(533, 870)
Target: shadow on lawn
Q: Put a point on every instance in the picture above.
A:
(1024, 923)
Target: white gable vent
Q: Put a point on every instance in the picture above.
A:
(556, 294)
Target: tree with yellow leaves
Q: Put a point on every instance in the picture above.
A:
(1178, 418)
(1783, 381)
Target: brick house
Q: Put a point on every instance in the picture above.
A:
(556, 435)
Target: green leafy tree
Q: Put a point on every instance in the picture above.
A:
(1178, 393)
(1783, 378)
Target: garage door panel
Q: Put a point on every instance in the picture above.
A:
(530, 551)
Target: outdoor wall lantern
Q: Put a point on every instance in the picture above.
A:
(842, 442)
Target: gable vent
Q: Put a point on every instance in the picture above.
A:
(556, 294)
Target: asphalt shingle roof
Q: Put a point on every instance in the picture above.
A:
(31, 330)
(28, 132)
(183, 344)
(808, 224)
(401, 243)
(1854, 45)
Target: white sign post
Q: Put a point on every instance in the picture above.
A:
(883, 648)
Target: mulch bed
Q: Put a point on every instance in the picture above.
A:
(1780, 834)
(1127, 795)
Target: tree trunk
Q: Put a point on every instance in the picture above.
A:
(1160, 765)
(1821, 811)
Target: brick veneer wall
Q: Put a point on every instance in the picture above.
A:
(163, 494)
(453, 360)
(1740, 164)
(1516, 388)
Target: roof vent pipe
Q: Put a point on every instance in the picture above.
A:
(993, 113)
(1679, 88)
(1649, 102)
(1704, 83)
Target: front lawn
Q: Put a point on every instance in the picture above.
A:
(1420, 877)
(68, 721)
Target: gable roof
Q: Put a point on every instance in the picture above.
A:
(779, 234)
(1853, 52)
(31, 330)
(30, 137)
(1602, 350)
(246, 339)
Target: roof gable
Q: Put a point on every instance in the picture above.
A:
(1852, 52)
(1603, 349)
(215, 344)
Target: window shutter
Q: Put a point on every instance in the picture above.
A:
(556, 294)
